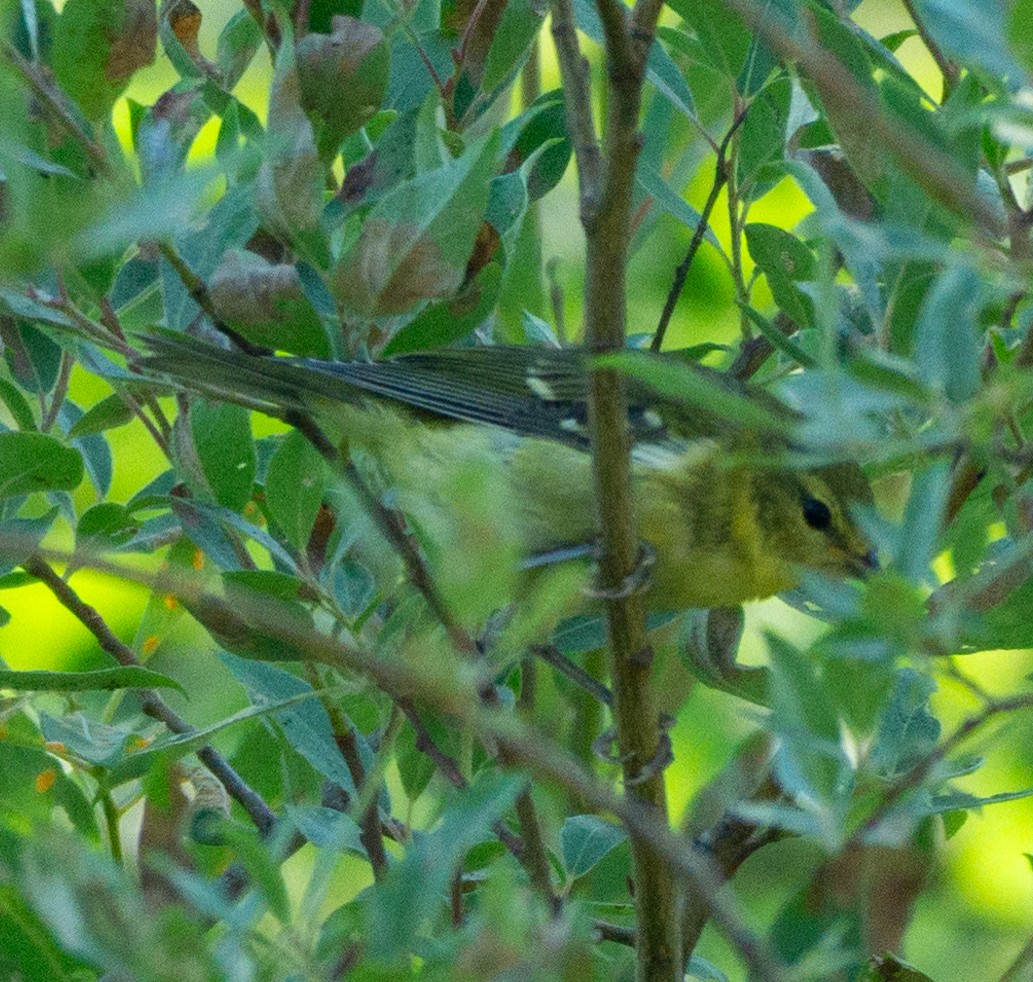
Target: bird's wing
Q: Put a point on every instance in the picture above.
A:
(533, 392)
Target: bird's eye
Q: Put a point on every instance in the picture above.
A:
(816, 514)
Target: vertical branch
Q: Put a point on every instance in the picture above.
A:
(530, 90)
(607, 181)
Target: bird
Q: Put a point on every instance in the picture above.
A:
(722, 519)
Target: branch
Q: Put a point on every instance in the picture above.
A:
(682, 272)
(606, 187)
(951, 73)
(369, 821)
(575, 673)
(617, 933)
(577, 98)
(153, 705)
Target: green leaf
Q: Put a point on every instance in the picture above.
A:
(33, 358)
(957, 800)
(661, 69)
(267, 304)
(105, 527)
(948, 345)
(86, 738)
(1019, 19)
(763, 139)
(1007, 625)
(415, 768)
(289, 187)
(700, 968)
(21, 801)
(128, 767)
(443, 323)
(810, 760)
(907, 731)
(541, 127)
(17, 406)
(689, 384)
(103, 917)
(238, 44)
(973, 33)
(327, 828)
(650, 181)
(28, 950)
(104, 679)
(851, 127)
(108, 414)
(36, 462)
(415, 885)
(206, 532)
(510, 43)
(98, 45)
(785, 260)
(890, 968)
(585, 840)
(415, 243)
(226, 449)
(295, 486)
(306, 724)
(923, 518)
(721, 33)
(20, 537)
(777, 339)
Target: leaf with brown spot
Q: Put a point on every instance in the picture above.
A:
(418, 239)
(266, 303)
(290, 183)
(343, 79)
(98, 45)
(393, 268)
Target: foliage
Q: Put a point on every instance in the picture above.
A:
(401, 713)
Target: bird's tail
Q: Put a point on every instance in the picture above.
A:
(270, 385)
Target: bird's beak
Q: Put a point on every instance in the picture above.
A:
(867, 564)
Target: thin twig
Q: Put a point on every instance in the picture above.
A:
(535, 856)
(951, 73)
(56, 104)
(617, 933)
(577, 96)
(582, 679)
(60, 391)
(152, 704)
(682, 272)
(369, 820)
